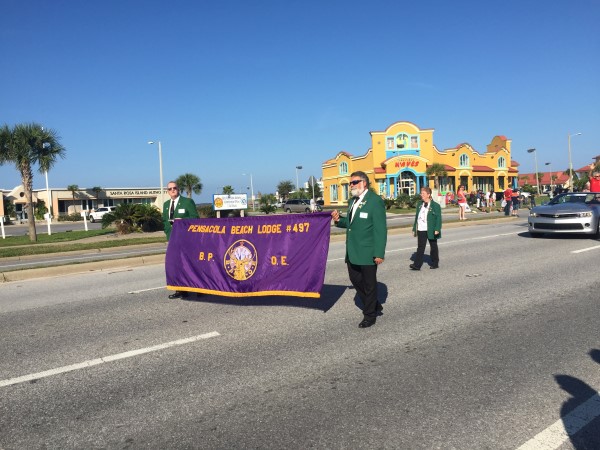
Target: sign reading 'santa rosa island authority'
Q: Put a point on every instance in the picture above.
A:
(250, 256)
(232, 201)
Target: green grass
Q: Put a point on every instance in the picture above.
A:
(66, 241)
(64, 236)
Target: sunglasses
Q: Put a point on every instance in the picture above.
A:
(173, 189)
(355, 182)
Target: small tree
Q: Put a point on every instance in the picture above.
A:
(189, 183)
(73, 188)
(28, 145)
(228, 190)
(436, 170)
(284, 188)
(96, 190)
(266, 203)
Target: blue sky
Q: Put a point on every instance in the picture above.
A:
(240, 87)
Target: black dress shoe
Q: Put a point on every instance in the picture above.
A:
(178, 294)
(366, 323)
(413, 267)
(435, 266)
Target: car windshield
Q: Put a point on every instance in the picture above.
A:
(575, 198)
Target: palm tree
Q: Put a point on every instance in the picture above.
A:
(96, 190)
(436, 170)
(284, 188)
(228, 190)
(73, 188)
(189, 182)
(27, 145)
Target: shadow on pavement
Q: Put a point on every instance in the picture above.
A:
(581, 413)
(330, 294)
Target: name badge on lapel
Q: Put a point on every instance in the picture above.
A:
(363, 215)
(181, 211)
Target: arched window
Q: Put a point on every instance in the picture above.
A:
(344, 168)
(333, 194)
(502, 162)
(464, 160)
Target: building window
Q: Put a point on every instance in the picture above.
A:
(463, 160)
(502, 162)
(344, 168)
(333, 195)
(345, 192)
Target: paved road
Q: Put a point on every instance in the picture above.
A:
(489, 351)
(28, 262)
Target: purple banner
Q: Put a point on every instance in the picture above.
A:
(250, 256)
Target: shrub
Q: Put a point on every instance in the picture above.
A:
(268, 209)
(207, 212)
(73, 217)
(403, 200)
(131, 217)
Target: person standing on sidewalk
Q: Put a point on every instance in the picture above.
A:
(177, 207)
(507, 201)
(427, 227)
(461, 199)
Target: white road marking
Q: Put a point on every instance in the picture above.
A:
(105, 359)
(560, 431)
(149, 289)
(586, 249)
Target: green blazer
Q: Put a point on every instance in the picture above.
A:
(185, 209)
(366, 235)
(434, 220)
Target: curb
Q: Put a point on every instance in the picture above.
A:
(72, 269)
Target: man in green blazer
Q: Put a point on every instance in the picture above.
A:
(427, 227)
(366, 238)
(177, 207)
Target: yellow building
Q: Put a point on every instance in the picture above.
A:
(398, 159)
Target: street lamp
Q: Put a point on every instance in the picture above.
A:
(251, 190)
(550, 164)
(160, 168)
(537, 180)
(297, 185)
(571, 163)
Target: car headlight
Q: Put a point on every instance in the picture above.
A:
(585, 214)
(532, 214)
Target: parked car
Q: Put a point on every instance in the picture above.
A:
(575, 212)
(99, 212)
(297, 205)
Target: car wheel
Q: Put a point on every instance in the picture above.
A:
(307, 210)
(92, 219)
(288, 210)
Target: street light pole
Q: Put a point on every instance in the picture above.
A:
(550, 164)
(160, 169)
(297, 185)
(537, 180)
(49, 199)
(251, 191)
(571, 163)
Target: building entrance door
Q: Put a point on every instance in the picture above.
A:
(407, 184)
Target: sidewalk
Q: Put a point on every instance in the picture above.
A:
(450, 217)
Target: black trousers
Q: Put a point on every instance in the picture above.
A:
(421, 242)
(364, 280)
